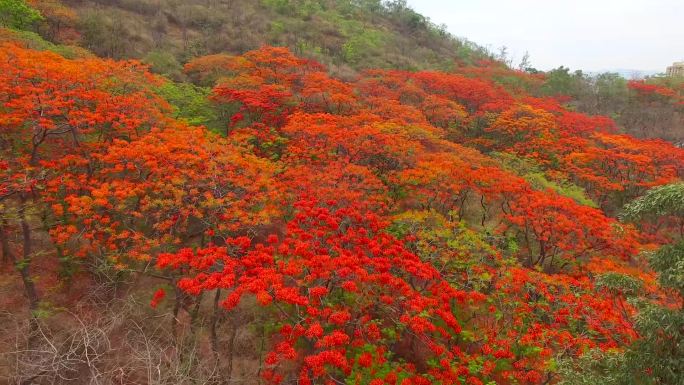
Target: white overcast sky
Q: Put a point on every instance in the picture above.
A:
(590, 35)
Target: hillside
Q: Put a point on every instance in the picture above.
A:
(348, 34)
(257, 218)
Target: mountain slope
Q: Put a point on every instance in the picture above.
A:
(356, 34)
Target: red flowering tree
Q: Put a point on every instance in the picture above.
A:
(350, 301)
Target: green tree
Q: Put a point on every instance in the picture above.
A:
(611, 92)
(16, 14)
(658, 202)
(192, 105)
(560, 81)
(164, 63)
(657, 358)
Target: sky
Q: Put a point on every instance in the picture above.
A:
(591, 35)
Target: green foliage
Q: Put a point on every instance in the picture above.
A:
(619, 284)
(610, 89)
(658, 201)
(34, 41)
(657, 357)
(594, 367)
(191, 104)
(296, 8)
(669, 263)
(661, 348)
(356, 48)
(568, 189)
(17, 14)
(536, 177)
(561, 82)
(164, 63)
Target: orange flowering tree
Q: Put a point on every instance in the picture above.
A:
(53, 109)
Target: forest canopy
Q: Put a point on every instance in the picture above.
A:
(255, 215)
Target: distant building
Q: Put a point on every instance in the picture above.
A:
(676, 69)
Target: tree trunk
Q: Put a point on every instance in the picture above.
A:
(4, 243)
(23, 266)
(214, 324)
(231, 346)
(178, 299)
